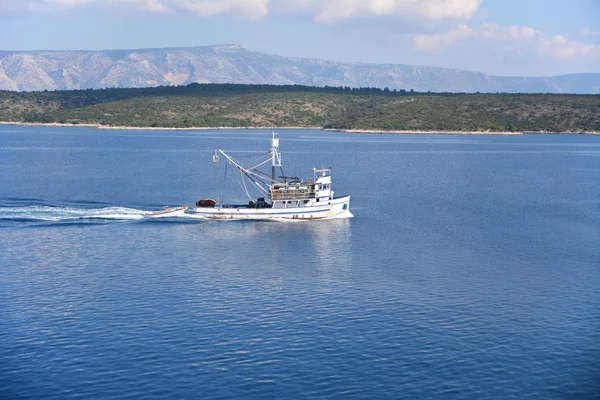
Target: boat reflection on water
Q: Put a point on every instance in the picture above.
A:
(331, 241)
(299, 249)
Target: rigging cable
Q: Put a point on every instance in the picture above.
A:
(222, 195)
(243, 185)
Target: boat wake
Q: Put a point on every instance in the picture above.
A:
(61, 214)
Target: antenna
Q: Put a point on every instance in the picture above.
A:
(275, 155)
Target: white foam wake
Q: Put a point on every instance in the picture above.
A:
(57, 214)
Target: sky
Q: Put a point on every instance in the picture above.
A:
(498, 37)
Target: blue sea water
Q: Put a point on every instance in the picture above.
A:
(471, 269)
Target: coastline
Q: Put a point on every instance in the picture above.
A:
(153, 128)
(504, 133)
(409, 132)
(365, 131)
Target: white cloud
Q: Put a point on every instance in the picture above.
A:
(252, 9)
(587, 32)
(154, 6)
(489, 31)
(512, 32)
(331, 11)
(437, 41)
(328, 11)
(323, 11)
(561, 47)
(448, 9)
(515, 39)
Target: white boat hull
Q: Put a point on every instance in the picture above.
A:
(329, 209)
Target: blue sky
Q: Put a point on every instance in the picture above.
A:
(501, 37)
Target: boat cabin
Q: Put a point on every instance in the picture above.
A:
(302, 193)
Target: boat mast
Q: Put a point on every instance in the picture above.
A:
(275, 156)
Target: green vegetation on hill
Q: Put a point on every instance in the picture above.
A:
(228, 105)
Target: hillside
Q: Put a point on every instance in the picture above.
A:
(213, 105)
(69, 70)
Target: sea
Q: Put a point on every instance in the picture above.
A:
(471, 269)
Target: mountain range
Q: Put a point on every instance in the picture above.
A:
(69, 70)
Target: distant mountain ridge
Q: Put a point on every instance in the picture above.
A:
(67, 70)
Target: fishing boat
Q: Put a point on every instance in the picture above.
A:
(281, 196)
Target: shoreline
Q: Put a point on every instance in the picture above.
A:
(153, 128)
(428, 132)
(365, 131)
(410, 132)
